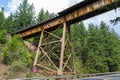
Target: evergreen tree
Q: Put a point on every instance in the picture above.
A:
(112, 48)
(79, 38)
(2, 19)
(103, 49)
(98, 48)
(15, 50)
(95, 51)
(42, 15)
(24, 15)
(3, 37)
(10, 23)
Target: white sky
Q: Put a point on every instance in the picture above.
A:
(58, 5)
(50, 5)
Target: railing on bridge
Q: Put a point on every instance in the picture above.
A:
(69, 77)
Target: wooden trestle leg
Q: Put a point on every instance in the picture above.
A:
(71, 49)
(60, 70)
(38, 52)
(54, 53)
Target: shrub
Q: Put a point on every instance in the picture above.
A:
(17, 67)
(15, 50)
(3, 38)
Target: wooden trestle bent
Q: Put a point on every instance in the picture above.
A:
(62, 65)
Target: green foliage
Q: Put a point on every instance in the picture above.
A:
(3, 38)
(80, 36)
(98, 48)
(17, 66)
(15, 50)
(78, 65)
(102, 42)
(10, 24)
(2, 19)
(24, 15)
(42, 15)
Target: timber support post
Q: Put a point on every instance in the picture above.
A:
(71, 48)
(60, 70)
(38, 52)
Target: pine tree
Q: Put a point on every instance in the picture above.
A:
(10, 23)
(95, 51)
(42, 15)
(112, 48)
(79, 38)
(103, 49)
(24, 15)
(2, 19)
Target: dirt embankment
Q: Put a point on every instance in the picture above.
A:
(4, 71)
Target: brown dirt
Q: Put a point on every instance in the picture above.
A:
(6, 73)
(3, 71)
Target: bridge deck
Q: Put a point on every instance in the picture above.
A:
(78, 12)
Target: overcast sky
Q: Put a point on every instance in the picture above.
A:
(57, 6)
